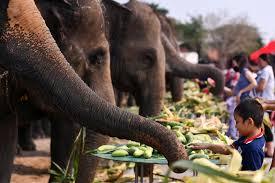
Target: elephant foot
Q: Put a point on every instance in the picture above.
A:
(18, 150)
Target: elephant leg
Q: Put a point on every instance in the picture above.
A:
(88, 163)
(8, 142)
(46, 127)
(131, 100)
(120, 98)
(176, 86)
(25, 137)
(62, 137)
(37, 131)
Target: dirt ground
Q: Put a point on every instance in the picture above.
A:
(32, 167)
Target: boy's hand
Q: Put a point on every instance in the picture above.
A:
(215, 148)
(199, 146)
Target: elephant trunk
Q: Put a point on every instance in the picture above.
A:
(87, 170)
(150, 101)
(181, 68)
(29, 50)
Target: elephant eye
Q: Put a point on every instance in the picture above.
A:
(148, 59)
(97, 57)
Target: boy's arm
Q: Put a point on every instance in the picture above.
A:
(215, 148)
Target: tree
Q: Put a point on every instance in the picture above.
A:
(232, 35)
(192, 32)
(158, 9)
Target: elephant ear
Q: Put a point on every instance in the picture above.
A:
(56, 14)
(116, 18)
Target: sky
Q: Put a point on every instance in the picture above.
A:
(259, 13)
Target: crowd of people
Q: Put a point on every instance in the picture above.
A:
(248, 83)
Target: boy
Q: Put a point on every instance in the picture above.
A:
(249, 120)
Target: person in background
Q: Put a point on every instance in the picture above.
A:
(265, 90)
(212, 58)
(187, 53)
(231, 76)
(246, 82)
(185, 47)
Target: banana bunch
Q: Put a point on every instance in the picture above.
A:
(133, 149)
(171, 117)
(197, 103)
(187, 138)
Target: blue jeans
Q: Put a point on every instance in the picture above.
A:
(232, 130)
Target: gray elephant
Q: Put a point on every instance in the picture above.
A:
(137, 54)
(185, 70)
(31, 56)
(78, 28)
(139, 62)
(138, 59)
(173, 83)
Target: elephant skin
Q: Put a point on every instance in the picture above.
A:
(173, 76)
(89, 56)
(29, 52)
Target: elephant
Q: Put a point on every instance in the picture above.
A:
(173, 83)
(173, 77)
(71, 24)
(137, 55)
(30, 55)
(138, 61)
(181, 68)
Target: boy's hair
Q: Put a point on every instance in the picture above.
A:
(251, 108)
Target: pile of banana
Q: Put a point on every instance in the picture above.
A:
(202, 124)
(192, 120)
(137, 150)
(196, 103)
(188, 138)
(133, 149)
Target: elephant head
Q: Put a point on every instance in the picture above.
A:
(208, 71)
(79, 30)
(181, 68)
(137, 55)
(28, 50)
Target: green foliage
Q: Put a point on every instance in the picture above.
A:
(158, 9)
(64, 175)
(192, 32)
